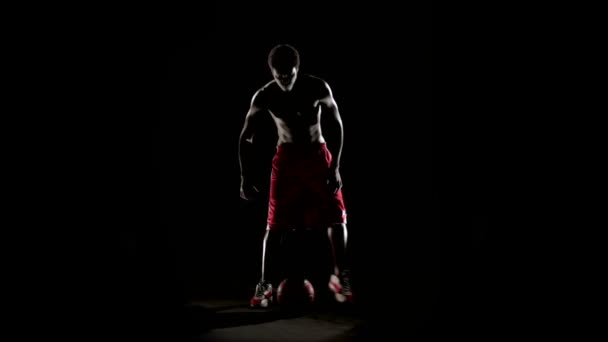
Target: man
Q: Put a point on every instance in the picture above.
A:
(305, 187)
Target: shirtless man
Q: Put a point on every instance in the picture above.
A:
(305, 187)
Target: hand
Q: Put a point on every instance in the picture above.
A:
(248, 190)
(334, 181)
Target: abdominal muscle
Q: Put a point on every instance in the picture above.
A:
(300, 135)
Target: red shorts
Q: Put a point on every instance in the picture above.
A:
(299, 195)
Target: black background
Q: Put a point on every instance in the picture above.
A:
(378, 63)
(381, 78)
(164, 163)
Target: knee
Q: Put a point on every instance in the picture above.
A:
(272, 237)
(338, 228)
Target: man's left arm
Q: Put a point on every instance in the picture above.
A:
(334, 119)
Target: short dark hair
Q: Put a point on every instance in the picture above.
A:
(284, 56)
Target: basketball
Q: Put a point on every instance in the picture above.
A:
(293, 292)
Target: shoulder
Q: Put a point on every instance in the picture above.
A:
(318, 85)
(262, 95)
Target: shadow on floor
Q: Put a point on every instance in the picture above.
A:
(201, 318)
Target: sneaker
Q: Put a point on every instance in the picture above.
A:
(262, 297)
(340, 286)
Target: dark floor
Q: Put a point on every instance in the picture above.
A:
(233, 320)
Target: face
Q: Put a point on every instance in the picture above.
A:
(285, 78)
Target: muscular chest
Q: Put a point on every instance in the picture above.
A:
(293, 107)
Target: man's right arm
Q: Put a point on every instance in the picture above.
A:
(246, 138)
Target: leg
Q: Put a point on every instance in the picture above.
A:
(338, 239)
(271, 255)
(339, 281)
(270, 250)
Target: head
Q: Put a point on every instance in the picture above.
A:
(284, 63)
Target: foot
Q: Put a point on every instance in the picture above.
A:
(262, 296)
(340, 286)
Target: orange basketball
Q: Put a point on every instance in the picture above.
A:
(291, 292)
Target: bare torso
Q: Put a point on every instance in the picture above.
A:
(296, 113)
